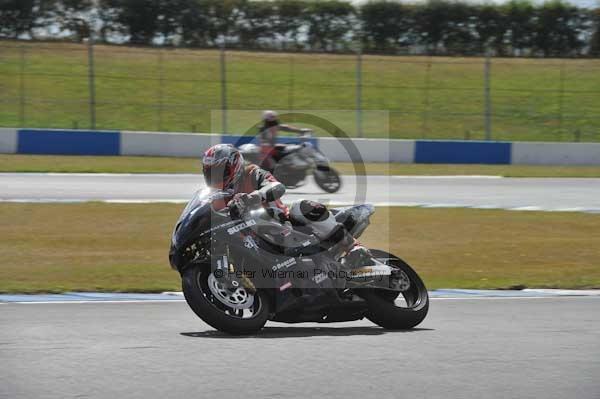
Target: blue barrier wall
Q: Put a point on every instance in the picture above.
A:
(64, 142)
(240, 140)
(462, 152)
(81, 142)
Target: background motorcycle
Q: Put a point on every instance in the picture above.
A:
(223, 262)
(295, 162)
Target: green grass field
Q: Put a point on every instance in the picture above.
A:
(122, 164)
(123, 247)
(176, 90)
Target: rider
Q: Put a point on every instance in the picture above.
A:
(270, 152)
(223, 168)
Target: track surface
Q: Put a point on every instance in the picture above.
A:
(485, 348)
(507, 193)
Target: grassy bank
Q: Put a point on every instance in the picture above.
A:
(119, 247)
(89, 164)
(177, 90)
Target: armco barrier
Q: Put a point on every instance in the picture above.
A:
(462, 152)
(348, 150)
(61, 142)
(166, 144)
(8, 141)
(371, 150)
(78, 142)
(525, 153)
(240, 140)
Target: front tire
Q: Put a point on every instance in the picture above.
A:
(198, 295)
(383, 308)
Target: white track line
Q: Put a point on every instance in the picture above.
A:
(511, 297)
(99, 174)
(97, 301)
(107, 201)
(436, 176)
(79, 302)
(333, 203)
(84, 174)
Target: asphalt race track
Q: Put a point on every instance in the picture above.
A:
(469, 348)
(578, 194)
(540, 347)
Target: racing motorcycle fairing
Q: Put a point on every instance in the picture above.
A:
(354, 218)
(300, 271)
(200, 218)
(191, 228)
(203, 230)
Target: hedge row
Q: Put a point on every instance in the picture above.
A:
(437, 27)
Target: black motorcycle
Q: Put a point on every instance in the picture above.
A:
(237, 273)
(295, 162)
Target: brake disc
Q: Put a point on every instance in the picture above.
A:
(235, 296)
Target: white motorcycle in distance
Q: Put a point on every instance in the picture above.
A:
(295, 162)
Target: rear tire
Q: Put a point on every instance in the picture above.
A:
(199, 297)
(328, 179)
(382, 309)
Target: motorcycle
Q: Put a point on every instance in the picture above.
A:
(294, 162)
(237, 273)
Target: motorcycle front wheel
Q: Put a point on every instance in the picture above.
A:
(327, 178)
(397, 310)
(233, 311)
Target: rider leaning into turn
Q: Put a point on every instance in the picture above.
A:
(223, 168)
(268, 137)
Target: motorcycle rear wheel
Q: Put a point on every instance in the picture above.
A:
(383, 304)
(327, 178)
(200, 298)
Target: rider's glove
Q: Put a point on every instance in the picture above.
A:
(242, 203)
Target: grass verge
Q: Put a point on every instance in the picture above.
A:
(123, 247)
(416, 97)
(123, 164)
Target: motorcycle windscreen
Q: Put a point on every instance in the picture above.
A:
(197, 216)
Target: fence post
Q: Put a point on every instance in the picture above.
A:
(425, 121)
(92, 83)
(487, 100)
(160, 89)
(291, 86)
(22, 87)
(561, 92)
(223, 89)
(359, 130)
